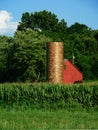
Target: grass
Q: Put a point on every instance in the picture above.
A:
(90, 82)
(29, 119)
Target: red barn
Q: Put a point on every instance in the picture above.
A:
(71, 74)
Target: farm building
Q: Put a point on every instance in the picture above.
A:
(71, 73)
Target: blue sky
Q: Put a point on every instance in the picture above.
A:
(81, 11)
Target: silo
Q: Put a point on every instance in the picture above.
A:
(55, 62)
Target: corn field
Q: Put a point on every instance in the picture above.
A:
(47, 95)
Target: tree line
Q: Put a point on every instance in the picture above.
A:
(23, 56)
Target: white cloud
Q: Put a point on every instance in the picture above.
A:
(7, 26)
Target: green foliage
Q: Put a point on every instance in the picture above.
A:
(46, 21)
(4, 47)
(27, 56)
(51, 96)
(23, 57)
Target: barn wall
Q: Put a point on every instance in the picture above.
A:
(71, 74)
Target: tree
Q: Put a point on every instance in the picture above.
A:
(81, 42)
(78, 28)
(4, 46)
(27, 56)
(44, 20)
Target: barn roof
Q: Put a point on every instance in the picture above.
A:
(65, 59)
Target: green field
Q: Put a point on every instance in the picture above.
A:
(42, 119)
(48, 106)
